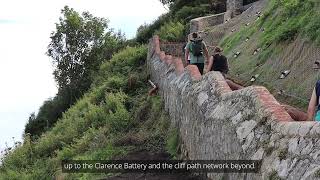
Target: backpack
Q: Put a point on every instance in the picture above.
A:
(196, 48)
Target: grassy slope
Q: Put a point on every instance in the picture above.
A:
(284, 22)
(112, 119)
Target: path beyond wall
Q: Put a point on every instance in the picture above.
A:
(216, 123)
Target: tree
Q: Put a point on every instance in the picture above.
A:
(50, 111)
(167, 3)
(78, 46)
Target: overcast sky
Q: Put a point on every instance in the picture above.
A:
(25, 71)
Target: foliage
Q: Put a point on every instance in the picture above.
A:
(186, 13)
(171, 31)
(122, 65)
(146, 31)
(167, 2)
(172, 143)
(285, 19)
(208, 6)
(50, 111)
(78, 47)
(89, 128)
(180, 11)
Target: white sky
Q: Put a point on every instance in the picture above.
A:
(25, 71)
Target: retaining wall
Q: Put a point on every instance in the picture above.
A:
(216, 123)
(173, 48)
(199, 24)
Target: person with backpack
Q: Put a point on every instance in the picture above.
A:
(314, 105)
(196, 48)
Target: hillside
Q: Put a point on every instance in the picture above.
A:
(271, 37)
(114, 118)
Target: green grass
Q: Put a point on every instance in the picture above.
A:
(116, 107)
(283, 21)
(172, 144)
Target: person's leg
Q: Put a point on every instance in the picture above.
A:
(200, 67)
(233, 85)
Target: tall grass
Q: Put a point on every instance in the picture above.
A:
(90, 128)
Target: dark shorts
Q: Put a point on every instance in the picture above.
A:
(200, 67)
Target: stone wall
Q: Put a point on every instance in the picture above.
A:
(234, 8)
(199, 24)
(216, 123)
(173, 48)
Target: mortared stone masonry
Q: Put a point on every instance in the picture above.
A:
(216, 123)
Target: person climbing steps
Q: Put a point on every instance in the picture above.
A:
(197, 49)
(218, 62)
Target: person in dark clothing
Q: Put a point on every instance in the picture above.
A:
(218, 62)
(314, 106)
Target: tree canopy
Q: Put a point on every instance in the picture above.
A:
(80, 43)
(78, 46)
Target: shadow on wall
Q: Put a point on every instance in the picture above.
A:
(246, 2)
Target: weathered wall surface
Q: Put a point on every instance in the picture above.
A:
(199, 24)
(234, 8)
(173, 48)
(216, 123)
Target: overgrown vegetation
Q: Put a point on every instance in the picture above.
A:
(78, 46)
(171, 31)
(280, 23)
(173, 143)
(180, 13)
(114, 117)
(285, 19)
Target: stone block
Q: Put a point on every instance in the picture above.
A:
(245, 129)
(305, 128)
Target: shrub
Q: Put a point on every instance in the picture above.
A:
(171, 31)
(121, 64)
(146, 31)
(186, 13)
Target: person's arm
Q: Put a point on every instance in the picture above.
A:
(312, 105)
(186, 55)
(210, 64)
(206, 53)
